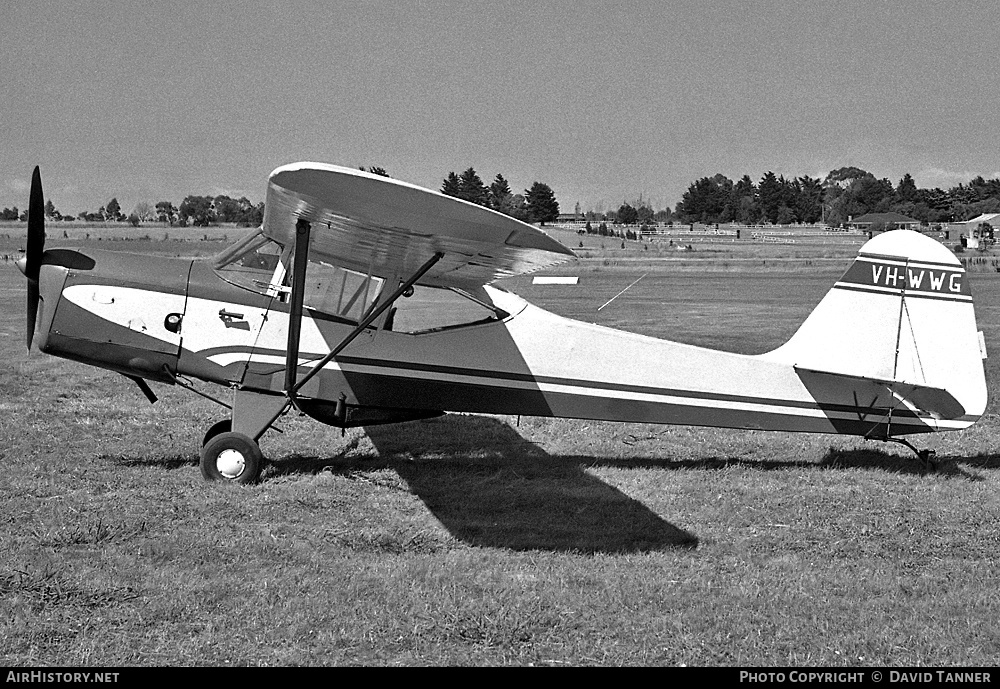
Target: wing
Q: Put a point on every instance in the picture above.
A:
(370, 223)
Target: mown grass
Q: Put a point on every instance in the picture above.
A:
(469, 540)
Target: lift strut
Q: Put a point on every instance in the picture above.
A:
(259, 417)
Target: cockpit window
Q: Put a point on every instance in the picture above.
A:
(255, 263)
(340, 292)
(430, 309)
(261, 265)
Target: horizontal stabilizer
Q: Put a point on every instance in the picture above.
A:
(936, 402)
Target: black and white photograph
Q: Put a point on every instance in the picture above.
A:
(426, 333)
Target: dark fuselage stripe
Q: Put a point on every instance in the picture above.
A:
(498, 378)
(912, 262)
(907, 293)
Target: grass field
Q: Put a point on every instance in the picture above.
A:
(481, 540)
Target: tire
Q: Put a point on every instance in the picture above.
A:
(233, 458)
(223, 426)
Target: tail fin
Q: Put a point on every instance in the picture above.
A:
(901, 314)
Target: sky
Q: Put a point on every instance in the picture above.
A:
(603, 101)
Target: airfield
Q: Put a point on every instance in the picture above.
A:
(492, 540)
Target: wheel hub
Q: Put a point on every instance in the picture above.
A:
(230, 463)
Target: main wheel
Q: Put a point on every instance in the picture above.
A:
(232, 457)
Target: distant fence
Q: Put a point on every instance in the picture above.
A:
(770, 234)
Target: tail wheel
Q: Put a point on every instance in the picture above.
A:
(231, 457)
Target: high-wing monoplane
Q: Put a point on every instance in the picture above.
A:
(364, 300)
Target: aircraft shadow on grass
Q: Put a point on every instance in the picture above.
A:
(490, 487)
(870, 458)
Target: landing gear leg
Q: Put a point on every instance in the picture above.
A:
(926, 457)
(229, 450)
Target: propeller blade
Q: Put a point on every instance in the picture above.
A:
(32, 309)
(36, 225)
(35, 248)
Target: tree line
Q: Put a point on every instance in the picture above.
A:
(845, 193)
(537, 204)
(199, 211)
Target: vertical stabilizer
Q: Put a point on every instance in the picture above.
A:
(902, 312)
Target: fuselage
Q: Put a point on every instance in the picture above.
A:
(158, 318)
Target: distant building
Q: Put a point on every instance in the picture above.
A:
(570, 218)
(886, 221)
(991, 219)
(966, 227)
(975, 238)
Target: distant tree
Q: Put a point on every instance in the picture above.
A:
(134, 220)
(874, 194)
(50, 210)
(197, 210)
(113, 211)
(451, 185)
(708, 200)
(499, 192)
(786, 215)
(855, 193)
(10, 214)
(906, 190)
(809, 202)
(380, 171)
(252, 215)
(541, 203)
(515, 206)
(166, 212)
(844, 176)
(144, 211)
(984, 189)
(770, 195)
(627, 215)
(471, 188)
(227, 209)
(743, 201)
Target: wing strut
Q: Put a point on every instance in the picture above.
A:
(293, 389)
(257, 415)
